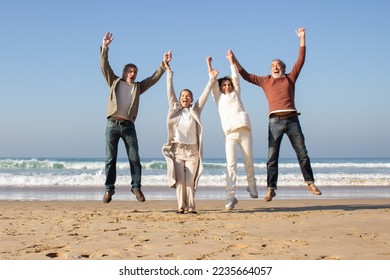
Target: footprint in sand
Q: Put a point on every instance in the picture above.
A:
(238, 246)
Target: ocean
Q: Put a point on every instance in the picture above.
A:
(47, 179)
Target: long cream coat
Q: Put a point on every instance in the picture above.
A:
(173, 118)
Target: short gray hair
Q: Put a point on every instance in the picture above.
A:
(281, 62)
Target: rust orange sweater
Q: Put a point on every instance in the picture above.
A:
(280, 92)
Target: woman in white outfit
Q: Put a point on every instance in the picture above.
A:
(183, 152)
(236, 126)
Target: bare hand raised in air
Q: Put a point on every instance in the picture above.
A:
(107, 39)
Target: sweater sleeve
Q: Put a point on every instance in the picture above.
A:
(172, 99)
(205, 94)
(235, 79)
(150, 81)
(298, 64)
(108, 74)
(252, 78)
(216, 92)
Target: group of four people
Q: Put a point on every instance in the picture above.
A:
(183, 151)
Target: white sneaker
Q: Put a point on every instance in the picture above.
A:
(231, 203)
(252, 192)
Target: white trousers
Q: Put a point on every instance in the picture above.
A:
(186, 165)
(242, 138)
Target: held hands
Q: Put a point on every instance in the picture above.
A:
(167, 59)
(107, 39)
(229, 56)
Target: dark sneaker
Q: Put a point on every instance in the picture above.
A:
(108, 196)
(138, 195)
(270, 194)
(313, 189)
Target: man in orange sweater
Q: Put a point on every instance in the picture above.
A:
(279, 89)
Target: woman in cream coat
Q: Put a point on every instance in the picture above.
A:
(183, 152)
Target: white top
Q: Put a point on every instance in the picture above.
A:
(230, 107)
(123, 99)
(185, 131)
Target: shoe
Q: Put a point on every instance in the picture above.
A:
(192, 212)
(252, 192)
(180, 211)
(270, 194)
(138, 195)
(108, 196)
(231, 203)
(313, 189)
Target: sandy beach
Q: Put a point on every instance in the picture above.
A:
(280, 230)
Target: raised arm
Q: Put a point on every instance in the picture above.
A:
(108, 74)
(233, 68)
(235, 60)
(254, 79)
(229, 56)
(172, 99)
(150, 81)
(206, 92)
(215, 86)
(295, 71)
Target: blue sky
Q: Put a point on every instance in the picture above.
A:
(53, 94)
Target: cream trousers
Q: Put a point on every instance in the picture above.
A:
(186, 163)
(242, 138)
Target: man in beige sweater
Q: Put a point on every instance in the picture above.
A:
(122, 110)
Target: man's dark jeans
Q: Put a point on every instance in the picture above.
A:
(276, 129)
(126, 131)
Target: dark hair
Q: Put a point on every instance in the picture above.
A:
(127, 67)
(226, 78)
(186, 89)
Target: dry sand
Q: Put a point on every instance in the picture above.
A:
(278, 230)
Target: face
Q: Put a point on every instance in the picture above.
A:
(226, 86)
(185, 99)
(277, 69)
(131, 75)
